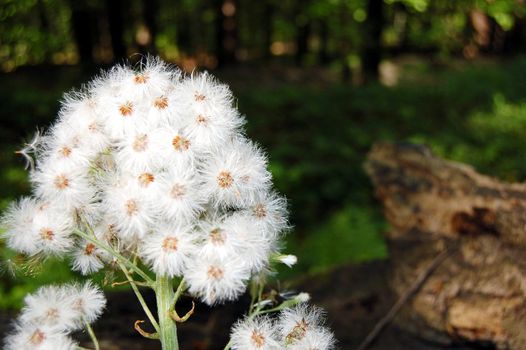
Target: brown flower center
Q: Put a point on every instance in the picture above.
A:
(140, 143)
(180, 143)
(64, 151)
(201, 119)
(37, 337)
(52, 314)
(217, 237)
(90, 247)
(215, 272)
(145, 179)
(126, 109)
(258, 339)
(170, 244)
(177, 191)
(61, 182)
(161, 102)
(47, 233)
(140, 78)
(225, 179)
(199, 97)
(259, 211)
(132, 207)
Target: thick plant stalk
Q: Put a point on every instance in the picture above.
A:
(167, 328)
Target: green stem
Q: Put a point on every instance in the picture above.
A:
(167, 328)
(140, 297)
(92, 336)
(178, 292)
(115, 254)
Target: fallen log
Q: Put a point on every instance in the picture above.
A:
(477, 294)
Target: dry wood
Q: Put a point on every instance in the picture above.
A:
(479, 294)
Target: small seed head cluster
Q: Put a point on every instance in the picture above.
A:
(52, 313)
(158, 165)
(298, 328)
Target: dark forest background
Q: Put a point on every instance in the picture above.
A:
(319, 80)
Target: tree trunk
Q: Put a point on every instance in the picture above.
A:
(150, 9)
(81, 22)
(478, 294)
(115, 10)
(226, 31)
(372, 53)
(268, 28)
(303, 30)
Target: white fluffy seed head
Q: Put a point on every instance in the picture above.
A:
(216, 280)
(145, 153)
(168, 249)
(255, 334)
(37, 337)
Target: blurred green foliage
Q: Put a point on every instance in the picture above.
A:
(317, 137)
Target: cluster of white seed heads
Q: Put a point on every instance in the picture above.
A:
(154, 166)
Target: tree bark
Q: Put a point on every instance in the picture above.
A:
(115, 10)
(81, 22)
(226, 31)
(372, 53)
(478, 294)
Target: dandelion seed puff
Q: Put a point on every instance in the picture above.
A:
(214, 280)
(79, 117)
(295, 323)
(86, 301)
(138, 151)
(152, 79)
(173, 146)
(163, 110)
(168, 248)
(210, 128)
(64, 183)
(178, 194)
(216, 240)
(87, 258)
(123, 116)
(253, 247)
(254, 334)
(316, 339)
(18, 224)
(202, 90)
(236, 174)
(62, 145)
(38, 337)
(129, 207)
(46, 307)
(33, 226)
(270, 212)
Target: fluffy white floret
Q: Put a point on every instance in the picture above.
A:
(318, 338)
(255, 334)
(46, 308)
(270, 212)
(253, 248)
(38, 337)
(236, 174)
(128, 206)
(87, 258)
(295, 323)
(168, 248)
(140, 151)
(178, 195)
(34, 226)
(214, 280)
(86, 302)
